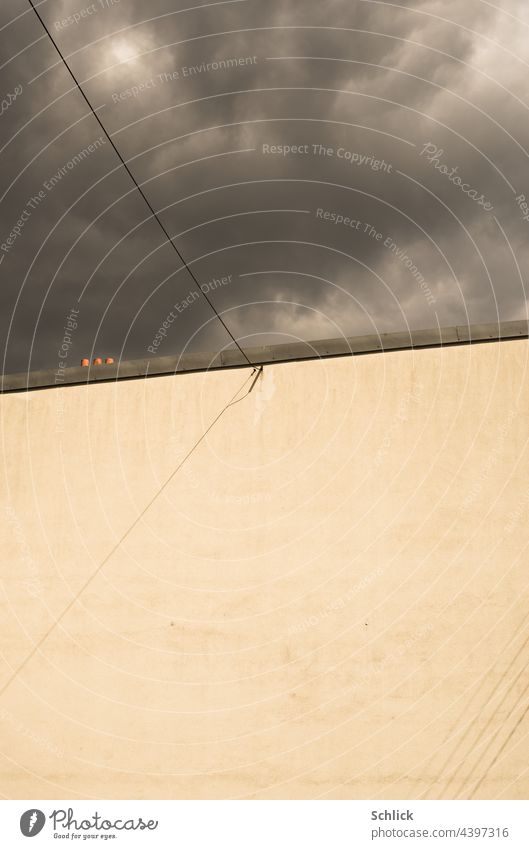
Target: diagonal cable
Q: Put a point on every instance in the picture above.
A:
(36, 648)
(133, 178)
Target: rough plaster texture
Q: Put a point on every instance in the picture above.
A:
(328, 599)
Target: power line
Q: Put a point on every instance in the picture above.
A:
(255, 373)
(133, 178)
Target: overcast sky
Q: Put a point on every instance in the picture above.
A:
(340, 166)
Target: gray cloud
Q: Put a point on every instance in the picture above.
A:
(190, 98)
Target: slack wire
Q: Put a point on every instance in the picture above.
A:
(255, 373)
(133, 178)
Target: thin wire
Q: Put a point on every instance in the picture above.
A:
(133, 178)
(37, 646)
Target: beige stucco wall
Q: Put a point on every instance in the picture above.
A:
(328, 599)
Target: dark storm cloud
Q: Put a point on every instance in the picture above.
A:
(353, 230)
